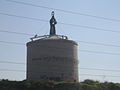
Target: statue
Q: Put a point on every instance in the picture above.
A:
(52, 24)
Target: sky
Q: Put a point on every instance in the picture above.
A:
(93, 24)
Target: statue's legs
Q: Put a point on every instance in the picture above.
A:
(52, 30)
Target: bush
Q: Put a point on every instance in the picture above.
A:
(41, 85)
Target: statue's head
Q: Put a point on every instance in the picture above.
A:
(52, 13)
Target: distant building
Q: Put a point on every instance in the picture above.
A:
(52, 57)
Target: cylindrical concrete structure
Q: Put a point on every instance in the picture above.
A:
(52, 59)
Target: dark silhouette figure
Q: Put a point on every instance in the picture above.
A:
(52, 24)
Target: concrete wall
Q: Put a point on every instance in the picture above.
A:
(52, 59)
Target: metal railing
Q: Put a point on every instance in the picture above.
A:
(48, 37)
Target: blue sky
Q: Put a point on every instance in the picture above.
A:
(101, 8)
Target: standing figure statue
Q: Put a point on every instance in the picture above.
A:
(52, 24)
